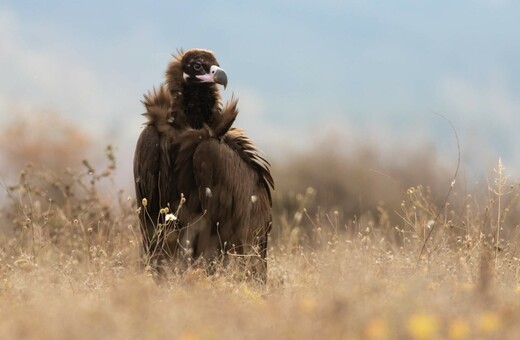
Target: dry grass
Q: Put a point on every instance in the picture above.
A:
(70, 269)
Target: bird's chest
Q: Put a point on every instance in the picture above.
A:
(198, 115)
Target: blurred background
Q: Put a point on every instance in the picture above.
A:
(342, 96)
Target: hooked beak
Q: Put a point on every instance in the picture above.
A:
(215, 75)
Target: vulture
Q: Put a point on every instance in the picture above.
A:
(203, 189)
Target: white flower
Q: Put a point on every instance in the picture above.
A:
(170, 217)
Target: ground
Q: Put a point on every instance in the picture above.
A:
(71, 268)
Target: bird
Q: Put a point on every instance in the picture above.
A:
(203, 188)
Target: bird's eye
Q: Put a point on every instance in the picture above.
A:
(197, 66)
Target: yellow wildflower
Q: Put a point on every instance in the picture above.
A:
(488, 322)
(377, 329)
(422, 326)
(459, 329)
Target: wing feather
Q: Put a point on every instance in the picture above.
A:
(146, 176)
(246, 149)
(232, 182)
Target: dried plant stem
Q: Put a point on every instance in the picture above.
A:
(452, 184)
(499, 191)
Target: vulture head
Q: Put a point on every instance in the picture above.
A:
(200, 66)
(191, 79)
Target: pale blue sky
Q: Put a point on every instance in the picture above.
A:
(365, 70)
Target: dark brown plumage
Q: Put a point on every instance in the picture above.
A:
(189, 156)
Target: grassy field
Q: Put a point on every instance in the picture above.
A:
(69, 269)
